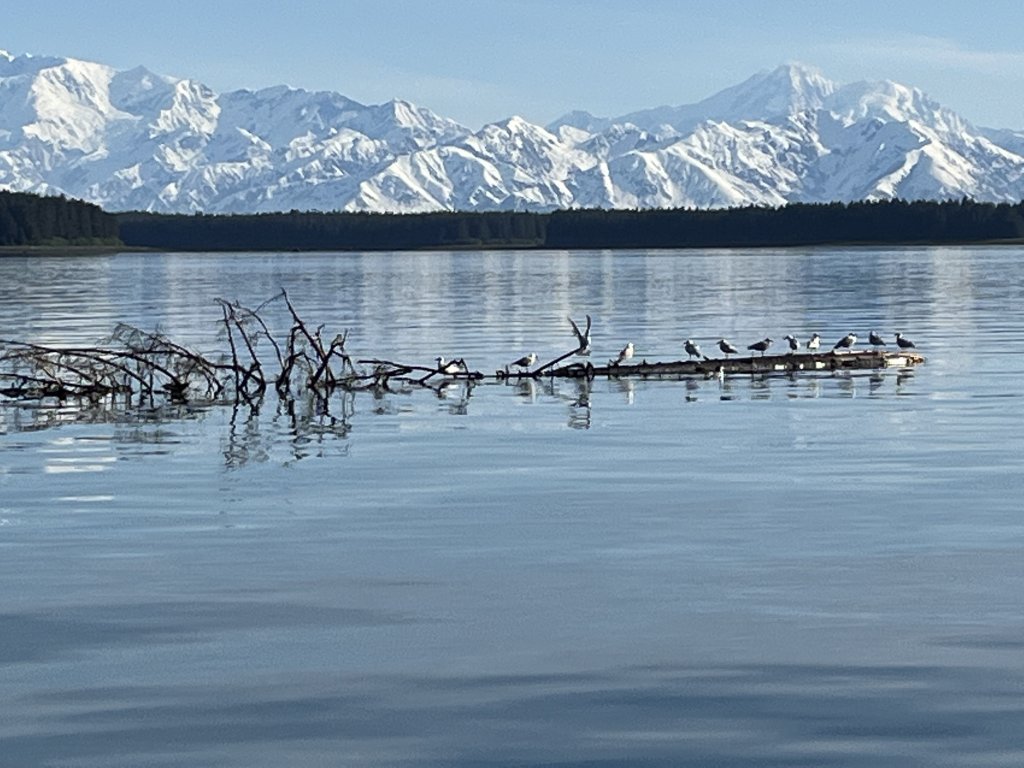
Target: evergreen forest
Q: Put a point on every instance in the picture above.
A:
(30, 220)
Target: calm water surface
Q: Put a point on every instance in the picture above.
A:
(817, 571)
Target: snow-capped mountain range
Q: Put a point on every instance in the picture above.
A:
(136, 140)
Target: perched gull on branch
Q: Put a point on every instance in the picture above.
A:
(692, 350)
(814, 343)
(726, 347)
(846, 342)
(526, 360)
(794, 345)
(625, 354)
(448, 368)
(761, 346)
(875, 340)
(904, 343)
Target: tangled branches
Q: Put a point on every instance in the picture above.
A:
(135, 366)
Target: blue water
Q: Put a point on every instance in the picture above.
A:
(823, 570)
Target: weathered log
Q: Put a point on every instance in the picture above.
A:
(789, 363)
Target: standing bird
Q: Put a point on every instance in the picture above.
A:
(692, 350)
(794, 345)
(904, 343)
(814, 343)
(526, 360)
(876, 340)
(583, 339)
(761, 346)
(625, 354)
(726, 347)
(846, 342)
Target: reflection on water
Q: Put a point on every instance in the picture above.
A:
(306, 424)
(818, 569)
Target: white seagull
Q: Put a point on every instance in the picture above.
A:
(625, 354)
(583, 339)
(692, 350)
(448, 368)
(814, 343)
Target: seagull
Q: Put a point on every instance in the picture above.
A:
(583, 339)
(526, 360)
(794, 345)
(448, 368)
(904, 343)
(726, 347)
(625, 354)
(692, 350)
(876, 340)
(814, 342)
(846, 342)
(761, 346)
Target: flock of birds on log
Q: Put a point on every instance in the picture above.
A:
(692, 349)
(812, 345)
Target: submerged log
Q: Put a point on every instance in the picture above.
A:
(824, 361)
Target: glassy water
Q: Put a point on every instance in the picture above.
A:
(823, 570)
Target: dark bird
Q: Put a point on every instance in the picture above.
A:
(761, 346)
(692, 350)
(814, 343)
(526, 360)
(794, 345)
(875, 340)
(904, 343)
(726, 347)
(582, 338)
(846, 342)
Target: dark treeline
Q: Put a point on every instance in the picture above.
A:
(333, 231)
(797, 224)
(27, 219)
(894, 221)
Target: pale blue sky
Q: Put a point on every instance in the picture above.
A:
(477, 61)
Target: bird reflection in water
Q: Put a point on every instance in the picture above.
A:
(875, 382)
(692, 389)
(579, 407)
(526, 388)
(627, 387)
(760, 388)
(846, 385)
(456, 395)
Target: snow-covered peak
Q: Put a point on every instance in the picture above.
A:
(138, 90)
(26, 64)
(889, 101)
(769, 95)
(580, 120)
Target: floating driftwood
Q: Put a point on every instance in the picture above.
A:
(136, 367)
(789, 363)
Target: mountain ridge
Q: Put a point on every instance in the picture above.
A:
(137, 140)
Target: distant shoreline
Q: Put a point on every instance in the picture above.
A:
(71, 251)
(58, 226)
